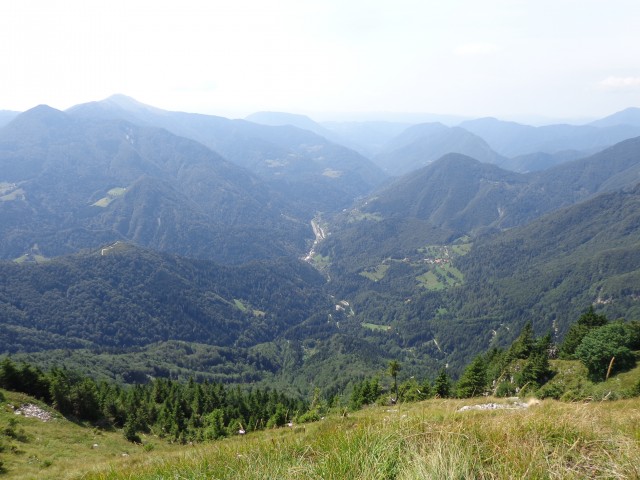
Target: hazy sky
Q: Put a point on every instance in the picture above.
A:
(505, 58)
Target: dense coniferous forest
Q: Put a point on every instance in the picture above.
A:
(179, 411)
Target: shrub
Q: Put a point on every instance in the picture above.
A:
(551, 391)
(505, 389)
(599, 346)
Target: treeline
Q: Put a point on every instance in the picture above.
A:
(180, 412)
(605, 348)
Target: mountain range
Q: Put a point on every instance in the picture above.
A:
(314, 172)
(512, 139)
(125, 228)
(71, 183)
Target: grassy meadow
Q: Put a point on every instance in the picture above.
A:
(430, 439)
(424, 440)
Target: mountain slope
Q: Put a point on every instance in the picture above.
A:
(533, 162)
(512, 139)
(315, 173)
(422, 144)
(70, 183)
(408, 258)
(628, 116)
(367, 137)
(446, 299)
(122, 296)
(561, 263)
(278, 119)
(6, 116)
(462, 194)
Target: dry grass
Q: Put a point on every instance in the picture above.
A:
(425, 440)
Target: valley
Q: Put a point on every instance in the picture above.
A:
(420, 259)
(142, 246)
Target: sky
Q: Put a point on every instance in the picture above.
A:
(511, 59)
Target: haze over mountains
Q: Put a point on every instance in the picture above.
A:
(317, 173)
(429, 242)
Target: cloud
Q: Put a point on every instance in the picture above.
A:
(620, 83)
(476, 48)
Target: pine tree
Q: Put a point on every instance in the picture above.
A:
(522, 346)
(474, 379)
(442, 384)
(587, 322)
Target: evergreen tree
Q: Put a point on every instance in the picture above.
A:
(214, 425)
(129, 431)
(279, 418)
(9, 376)
(442, 384)
(587, 322)
(474, 379)
(522, 346)
(536, 370)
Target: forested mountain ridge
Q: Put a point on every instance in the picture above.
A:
(445, 298)
(122, 296)
(316, 173)
(463, 195)
(585, 254)
(413, 257)
(71, 183)
(278, 119)
(512, 139)
(422, 144)
(429, 270)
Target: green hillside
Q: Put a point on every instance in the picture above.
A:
(126, 297)
(431, 439)
(70, 183)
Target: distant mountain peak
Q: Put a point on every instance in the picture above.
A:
(276, 119)
(128, 103)
(42, 114)
(628, 116)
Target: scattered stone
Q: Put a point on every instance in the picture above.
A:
(34, 411)
(514, 405)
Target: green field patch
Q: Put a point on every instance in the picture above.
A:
(115, 248)
(320, 261)
(111, 196)
(376, 274)
(358, 216)
(445, 252)
(441, 277)
(308, 352)
(30, 258)
(375, 327)
(239, 305)
(461, 249)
